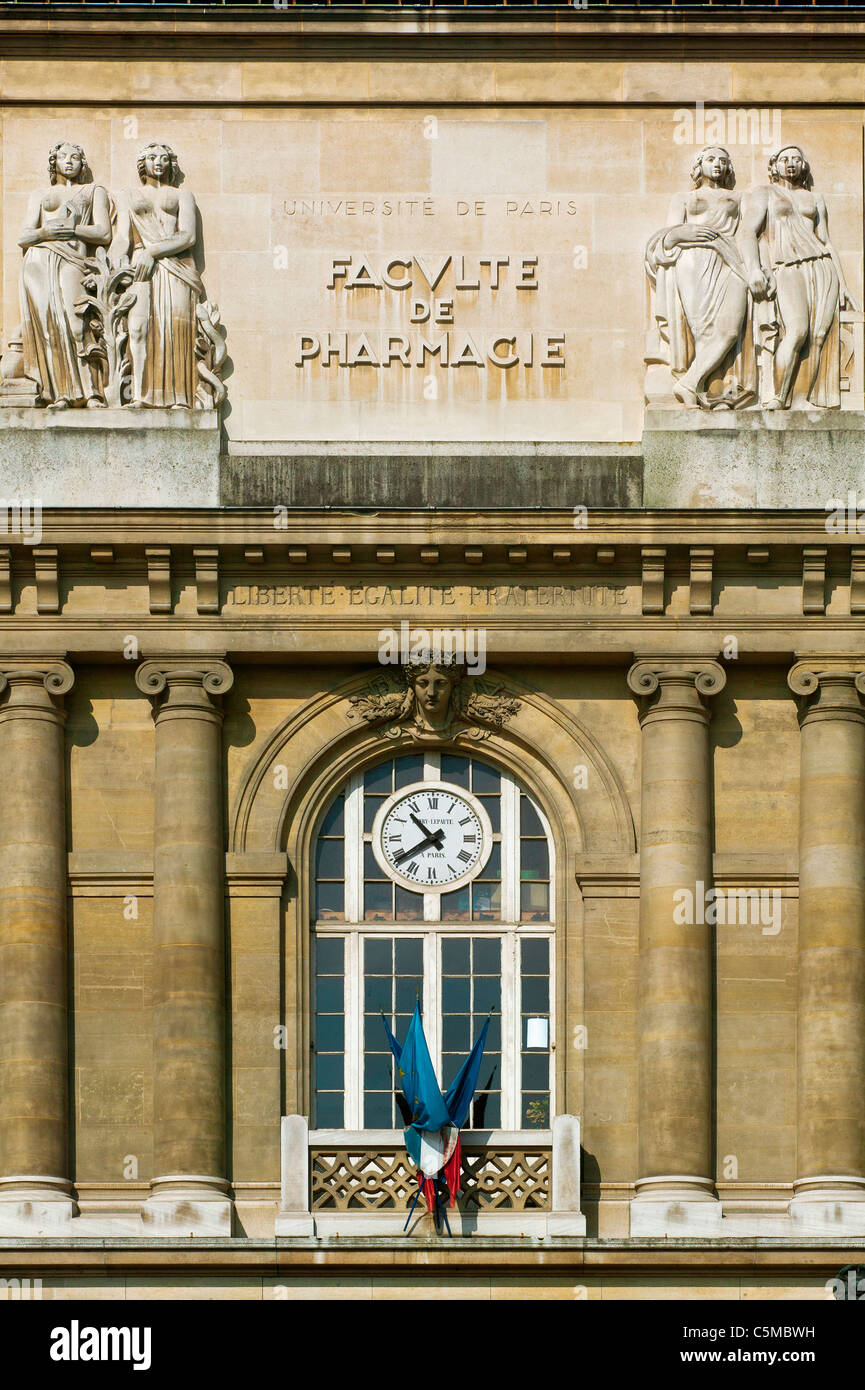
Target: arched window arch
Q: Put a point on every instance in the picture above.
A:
(378, 946)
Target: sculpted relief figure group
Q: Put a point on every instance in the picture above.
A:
(747, 290)
(113, 309)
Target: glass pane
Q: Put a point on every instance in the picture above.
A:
(493, 807)
(378, 1110)
(488, 994)
(378, 1071)
(370, 811)
(370, 867)
(536, 994)
(329, 1110)
(455, 769)
(377, 780)
(530, 821)
(534, 902)
(534, 859)
(455, 956)
(488, 956)
(451, 1063)
(535, 956)
(378, 956)
(409, 991)
(329, 1071)
(494, 1034)
(377, 995)
(486, 781)
(536, 1110)
(401, 1028)
(329, 956)
(330, 1032)
(409, 906)
(493, 866)
(409, 956)
(330, 902)
(486, 902)
(536, 1071)
(378, 902)
(374, 1036)
(409, 769)
(455, 994)
(334, 820)
(330, 859)
(487, 1112)
(329, 995)
(456, 1033)
(455, 906)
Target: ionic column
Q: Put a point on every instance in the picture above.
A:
(831, 991)
(676, 1159)
(188, 947)
(34, 1080)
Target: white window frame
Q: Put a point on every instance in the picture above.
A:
(509, 929)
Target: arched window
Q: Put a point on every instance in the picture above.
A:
(476, 934)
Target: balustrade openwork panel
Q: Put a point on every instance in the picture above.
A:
(365, 1180)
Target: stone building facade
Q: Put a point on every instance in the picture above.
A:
(342, 341)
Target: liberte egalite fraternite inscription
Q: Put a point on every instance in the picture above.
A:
(746, 292)
(113, 308)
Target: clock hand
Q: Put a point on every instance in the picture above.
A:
(434, 839)
(420, 825)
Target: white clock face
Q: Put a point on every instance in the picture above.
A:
(432, 837)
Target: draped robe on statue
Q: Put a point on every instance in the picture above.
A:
(52, 276)
(795, 253)
(171, 295)
(690, 284)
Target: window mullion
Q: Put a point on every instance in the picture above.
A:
(510, 850)
(510, 1033)
(354, 850)
(432, 997)
(353, 1031)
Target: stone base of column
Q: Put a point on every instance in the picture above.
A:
(188, 1204)
(36, 1206)
(828, 1206)
(675, 1205)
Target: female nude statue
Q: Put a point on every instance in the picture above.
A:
(157, 231)
(701, 282)
(793, 226)
(64, 225)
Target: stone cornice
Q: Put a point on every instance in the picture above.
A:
(192, 31)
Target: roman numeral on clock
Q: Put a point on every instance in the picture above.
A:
(433, 803)
(464, 856)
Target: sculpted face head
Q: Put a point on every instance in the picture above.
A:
(790, 164)
(433, 687)
(159, 162)
(67, 162)
(713, 165)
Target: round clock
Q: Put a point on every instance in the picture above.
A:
(432, 837)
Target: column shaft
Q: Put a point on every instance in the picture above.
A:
(675, 962)
(831, 996)
(34, 1140)
(189, 948)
